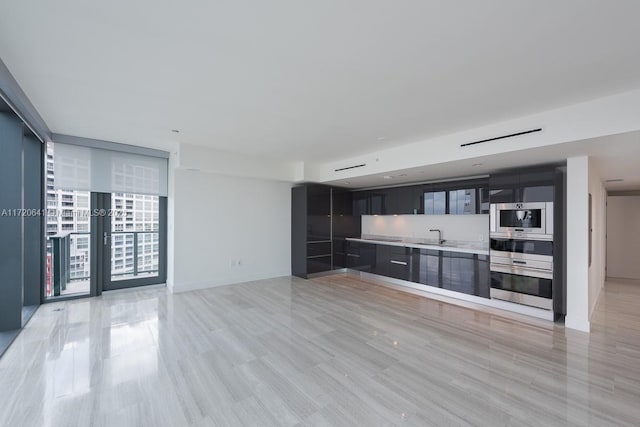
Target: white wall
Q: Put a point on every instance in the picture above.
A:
(578, 244)
(468, 228)
(623, 243)
(599, 236)
(216, 220)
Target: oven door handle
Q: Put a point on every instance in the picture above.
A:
(522, 271)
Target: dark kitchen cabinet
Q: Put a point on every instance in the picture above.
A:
(537, 177)
(427, 267)
(394, 261)
(360, 203)
(387, 201)
(530, 185)
(318, 212)
(319, 264)
(360, 256)
(370, 202)
(435, 202)
(459, 272)
(344, 224)
(538, 193)
(377, 202)
(466, 273)
(418, 199)
(504, 195)
(483, 276)
(463, 201)
(339, 253)
(311, 248)
(485, 200)
(400, 201)
(456, 198)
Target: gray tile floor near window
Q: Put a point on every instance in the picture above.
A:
(330, 351)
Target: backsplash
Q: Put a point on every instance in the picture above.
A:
(463, 228)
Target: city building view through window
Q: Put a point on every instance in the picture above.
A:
(134, 238)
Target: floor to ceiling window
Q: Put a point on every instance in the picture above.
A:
(21, 219)
(135, 236)
(106, 220)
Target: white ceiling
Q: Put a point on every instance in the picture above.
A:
(614, 157)
(311, 81)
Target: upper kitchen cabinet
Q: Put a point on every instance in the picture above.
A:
(485, 200)
(342, 202)
(360, 203)
(531, 185)
(370, 202)
(463, 202)
(435, 202)
(467, 197)
(456, 198)
(377, 202)
(401, 201)
(318, 212)
(538, 185)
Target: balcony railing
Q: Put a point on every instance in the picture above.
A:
(119, 275)
(61, 249)
(65, 245)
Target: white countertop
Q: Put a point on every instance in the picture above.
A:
(479, 248)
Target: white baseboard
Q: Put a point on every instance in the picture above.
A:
(199, 285)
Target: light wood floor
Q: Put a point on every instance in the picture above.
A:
(332, 351)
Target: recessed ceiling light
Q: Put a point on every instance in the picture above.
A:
(175, 131)
(475, 165)
(615, 180)
(347, 182)
(402, 174)
(387, 177)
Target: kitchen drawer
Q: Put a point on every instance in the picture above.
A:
(394, 261)
(319, 264)
(320, 248)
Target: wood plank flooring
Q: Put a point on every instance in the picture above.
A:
(333, 351)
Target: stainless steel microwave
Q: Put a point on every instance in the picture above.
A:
(522, 220)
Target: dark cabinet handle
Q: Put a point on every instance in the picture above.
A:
(519, 262)
(519, 229)
(353, 255)
(398, 262)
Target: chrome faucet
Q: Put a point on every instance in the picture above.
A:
(440, 239)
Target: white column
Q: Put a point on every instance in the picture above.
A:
(171, 215)
(578, 244)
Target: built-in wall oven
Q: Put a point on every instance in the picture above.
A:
(522, 220)
(522, 271)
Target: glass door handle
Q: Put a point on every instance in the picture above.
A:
(105, 238)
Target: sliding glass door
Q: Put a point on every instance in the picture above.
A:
(103, 240)
(133, 240)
